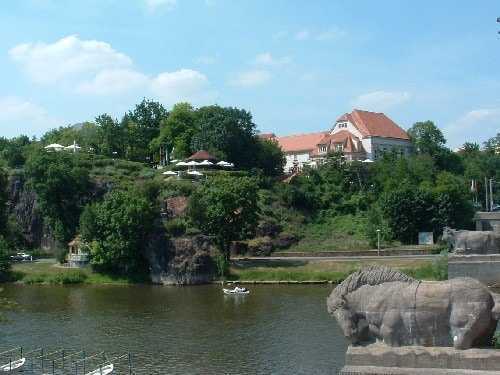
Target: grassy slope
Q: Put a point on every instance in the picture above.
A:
(333, 271)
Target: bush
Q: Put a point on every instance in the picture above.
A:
(60, 254)
(176, 227)
(222, 265)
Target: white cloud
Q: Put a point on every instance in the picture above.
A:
(94, 67)
(267, 59)
(331, 34)
(113, 82)
(68, 57)
(251, 78)
(155, 4)
(381, 100)
(474, 126)
(303, 35)
(20, 116)
(182, 85)
(206, 60)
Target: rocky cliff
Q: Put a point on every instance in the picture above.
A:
(181, 261)
(24, 209)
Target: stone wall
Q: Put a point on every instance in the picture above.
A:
(485, 268)
(381, 359)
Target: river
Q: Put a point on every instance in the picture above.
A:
(277, 329)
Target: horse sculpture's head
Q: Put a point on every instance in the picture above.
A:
(350, 319)
(449, 235)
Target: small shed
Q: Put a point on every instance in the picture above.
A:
(201, 156)
(78, 255)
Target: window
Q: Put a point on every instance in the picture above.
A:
(322, 148)
(342, 125)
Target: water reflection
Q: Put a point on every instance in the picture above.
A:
(275, 329)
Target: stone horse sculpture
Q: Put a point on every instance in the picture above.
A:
(379, 303)
(472, 242)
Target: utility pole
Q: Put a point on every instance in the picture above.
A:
(491, 194)
(486, 194)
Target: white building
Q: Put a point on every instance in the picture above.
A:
(360, 135)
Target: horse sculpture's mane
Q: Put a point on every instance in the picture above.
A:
(371, 275)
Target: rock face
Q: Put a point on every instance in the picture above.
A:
(472, 242)
(181, 261)
(378, 303)
(23, 206)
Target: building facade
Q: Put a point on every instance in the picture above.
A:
(359, 135)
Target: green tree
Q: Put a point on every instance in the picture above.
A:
(110, 135)
(227, 132)
(14, 151)
(270, 157)
(146, 118)
(427, 138)
(116, 230)
(225, 207)
(408, 211)
(62, 188)
(177, 131)
(3, 201)
(4, 260)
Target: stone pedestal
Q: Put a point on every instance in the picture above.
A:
(485, 268)
(379, 359)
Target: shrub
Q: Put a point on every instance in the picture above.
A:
(176, 227)
(60, 254)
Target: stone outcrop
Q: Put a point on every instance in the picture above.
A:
(24, 208)
(181, 261)
(381, 304)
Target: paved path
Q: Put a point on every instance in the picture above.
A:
(340, 259)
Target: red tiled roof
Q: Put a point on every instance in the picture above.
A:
(300, 142)
(267, 136)
(201, 155)
(374, 124)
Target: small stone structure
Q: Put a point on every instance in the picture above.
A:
(487, 220)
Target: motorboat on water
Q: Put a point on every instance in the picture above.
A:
(236, 290)
(13, 365)
(104, 370)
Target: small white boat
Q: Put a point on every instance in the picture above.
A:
(236, 290)
(13, 365)
(104, 370)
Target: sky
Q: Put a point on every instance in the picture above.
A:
(296, 65)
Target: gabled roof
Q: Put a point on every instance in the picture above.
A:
(300, 142)
(202, 155)
(373, 124)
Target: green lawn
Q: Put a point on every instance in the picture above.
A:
(47, 272)
(331, 270)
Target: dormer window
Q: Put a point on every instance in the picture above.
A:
(322, 148)
(341, 125)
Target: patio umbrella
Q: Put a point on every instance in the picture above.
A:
(54, 146)
(192, 163)
(169, 173)
(182, 164)
(195, 173)
(367, 161)
(206, 162)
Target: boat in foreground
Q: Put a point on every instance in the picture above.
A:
(104, 370)
(14, 365)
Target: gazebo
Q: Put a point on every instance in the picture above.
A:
(77, 256)
(201, 156)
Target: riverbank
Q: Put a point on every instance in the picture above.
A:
(283, 271)
(47, 271)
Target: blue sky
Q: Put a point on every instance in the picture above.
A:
(296, 65)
